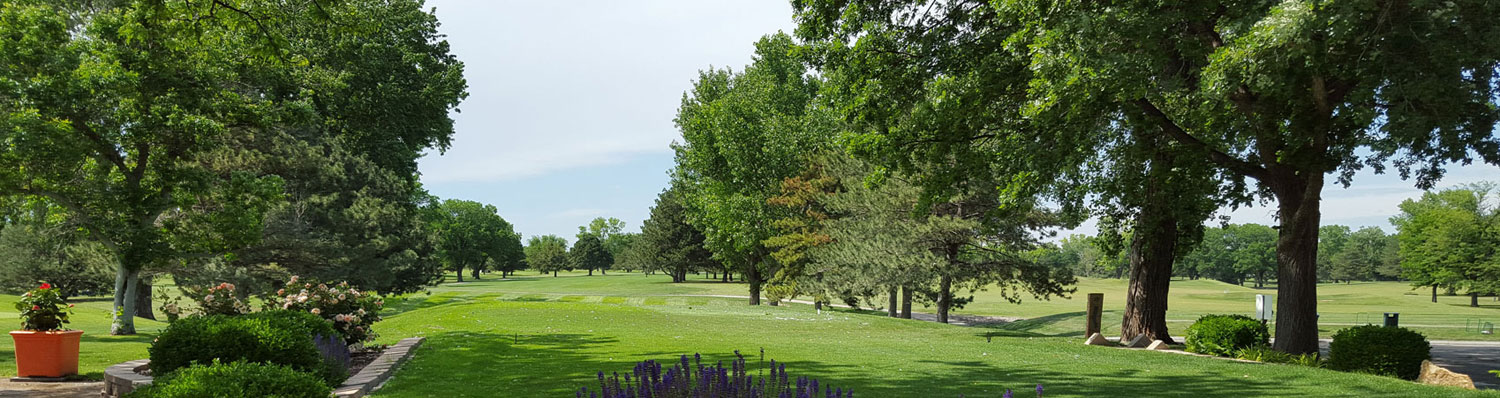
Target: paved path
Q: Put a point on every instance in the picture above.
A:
(87, 389)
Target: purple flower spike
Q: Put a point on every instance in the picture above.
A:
(1039, 390)
(1008, 394)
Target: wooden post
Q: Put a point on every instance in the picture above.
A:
(1095, 309)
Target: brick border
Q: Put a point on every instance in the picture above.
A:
(374, 375)
(123, 378)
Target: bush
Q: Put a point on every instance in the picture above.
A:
(271, 339)
(1379, 350)
(235, 380)
(1268, 355)
(352, 311)
(686, 379)
(1222, 335)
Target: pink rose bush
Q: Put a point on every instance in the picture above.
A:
(351, 310)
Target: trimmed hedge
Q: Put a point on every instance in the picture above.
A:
(1223, 335)
(1397, 352)
(279, 339)
(235, 380)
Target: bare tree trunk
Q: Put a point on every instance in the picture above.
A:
(475, 272)
(906, 302)
(127, 282)
(945, 297)
(1434, 292)
(1473, 299)
(1297, 259)
(752, 275)
(460, 274)
(892, 309)
(143, 299)
(1152, 251)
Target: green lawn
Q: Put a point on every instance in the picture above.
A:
(545, 336)
(98, 349)
(548, 336)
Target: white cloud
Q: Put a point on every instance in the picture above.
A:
(577, 213)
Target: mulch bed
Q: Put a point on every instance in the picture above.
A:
(359, 359)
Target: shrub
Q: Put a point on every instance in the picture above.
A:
(260, 339)
(692, 379)
(1222, 335)
(1379, 350)
(330, 343)
(43, 309)
(1268, 355)
(352, 311)
(235, 380)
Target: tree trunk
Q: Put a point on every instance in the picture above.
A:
(591, 272)
(1473, 299)
(945, 297)
(127, 281)
(1153, 248)
(143, 300)
(460, 274)
(1298, 199)
(895, 292)
(752, 275)
(1434, 292)
(906, 302)
(554, 273)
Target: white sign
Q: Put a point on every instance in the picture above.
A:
(1264, 306)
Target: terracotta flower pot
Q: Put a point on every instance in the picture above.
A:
(46, 354)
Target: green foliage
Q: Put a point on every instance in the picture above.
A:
(1224, 335)
(43, 309)
(221, 299)
(236, 379)
(743, 133)
(265, 339)
(1233, 253)
(1268, 355)
(1367, 254)
(1396, 352)
(1451, 239)
(30, 252)
(547, 253)
(313, 325)
(472, 235)
(589, 253)
(669, 243)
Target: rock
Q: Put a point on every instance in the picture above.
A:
(1138, 341)
(1436, 375)
(1096, 339)
(1157, 345)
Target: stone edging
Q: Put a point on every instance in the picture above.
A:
(374, 375)
(123, 378)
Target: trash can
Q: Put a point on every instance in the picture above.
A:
(1392, 319)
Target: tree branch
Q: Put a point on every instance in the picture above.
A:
(1177, 133)
(88, 222)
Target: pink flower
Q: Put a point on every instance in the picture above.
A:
(341, 297)
(34, 308)
(280, 292)
(316, 311)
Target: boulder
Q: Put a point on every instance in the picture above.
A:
(1096, 339)
(1436, 375)
(1157, 345)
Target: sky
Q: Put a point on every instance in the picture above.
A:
(570, 108)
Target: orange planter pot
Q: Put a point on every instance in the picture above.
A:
(46, 354)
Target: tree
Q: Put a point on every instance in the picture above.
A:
(669, 243)
(618, 245)
(1279, 93)
(743, 133)
(547, 253)
(1451, 239)
(588, 253)
(37, 245)
(602, 228)
(1331, 241)
(1367, 255)
(472, 235)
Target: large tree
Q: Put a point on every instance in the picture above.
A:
(589, 253)
(473, 235)
(743, 133)
(1451, 239)
(1284, 94)
(669, 243)
(547, 253)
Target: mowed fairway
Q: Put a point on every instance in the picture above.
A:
(544, 336)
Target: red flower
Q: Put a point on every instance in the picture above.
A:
(34, 308)
(46, 285)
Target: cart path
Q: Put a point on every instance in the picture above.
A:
(71, 389)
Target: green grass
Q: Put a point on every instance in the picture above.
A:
(97, 350)
(546, 336)
(487, 339)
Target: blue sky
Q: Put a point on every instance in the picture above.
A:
(571, 104)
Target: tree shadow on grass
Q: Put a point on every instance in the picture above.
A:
(1034, 327)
